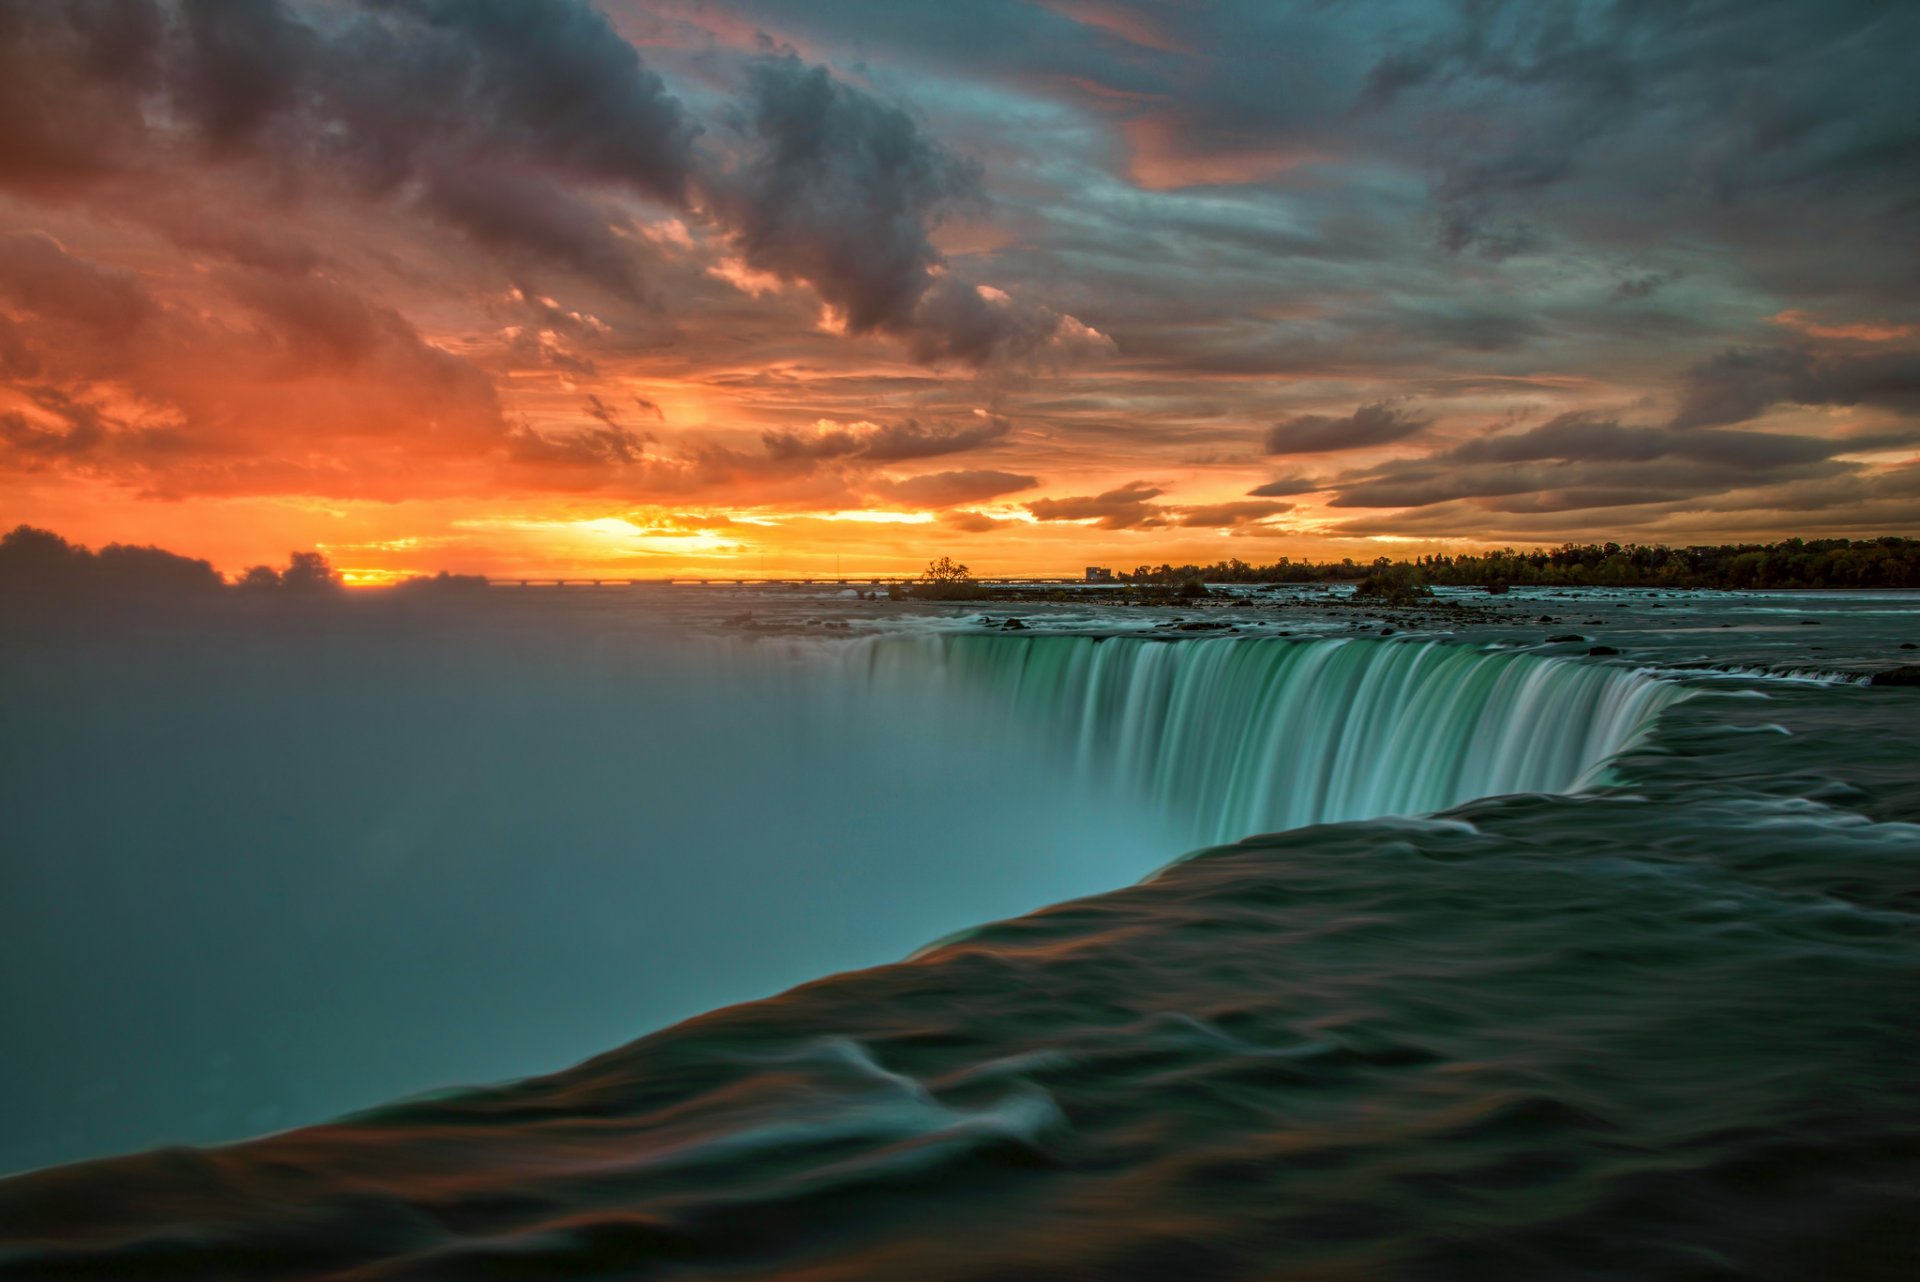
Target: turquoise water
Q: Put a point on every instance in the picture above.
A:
(1247, 735)
(1645, 1008)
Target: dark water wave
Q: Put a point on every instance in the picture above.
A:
(1664, 1028)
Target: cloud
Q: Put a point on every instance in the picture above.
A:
(484, 107)
(1129, 508)
(1844, 502)
(1125, 508)
(1282, 487)
(1380, 423)
(1582, 460)
(1857, 331)
(519, 213)
(898, 442)
(839, 190)
(1229, 515)
(593, 448)
(72, 81)
(274, 388)
(1520, 108)
(1742, 383)
(1641, 285)
(240, 65)
(39, 276)
(842, 191)
(972, 522)
(945, 489)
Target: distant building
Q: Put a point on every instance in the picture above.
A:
(1099, 574)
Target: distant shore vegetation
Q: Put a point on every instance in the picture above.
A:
(1889, 562)
(39, 561)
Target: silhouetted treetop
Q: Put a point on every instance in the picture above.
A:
(40, 561)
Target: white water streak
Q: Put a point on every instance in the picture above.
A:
(1257, 735)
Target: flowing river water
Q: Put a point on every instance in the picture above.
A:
(1497, 958)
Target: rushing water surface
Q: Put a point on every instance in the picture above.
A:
(1551, 964)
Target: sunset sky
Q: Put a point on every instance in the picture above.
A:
(740, 287)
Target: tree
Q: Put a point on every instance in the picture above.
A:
(308, 572)
(946, 570)
(1392, 581)
(33, 557)
(259, 578)
(948, 580)
(41, 560)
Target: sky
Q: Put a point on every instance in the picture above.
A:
(744, 287)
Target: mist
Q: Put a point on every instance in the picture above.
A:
(266, 865)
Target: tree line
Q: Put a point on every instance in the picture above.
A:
(35, 560)
(1888, 562)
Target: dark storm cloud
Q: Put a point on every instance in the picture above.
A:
(477, 101)
(512, 211)
(522, 123)
(71, 81)
(241, 64)
(1380, 423)
(840, 191)
(1772, 97)
(1743, 383)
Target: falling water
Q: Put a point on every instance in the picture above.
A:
(1257, 735)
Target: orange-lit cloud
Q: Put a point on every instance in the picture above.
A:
(1164, 158)
(1861, 331)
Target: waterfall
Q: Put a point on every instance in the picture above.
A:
(1256, 735)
